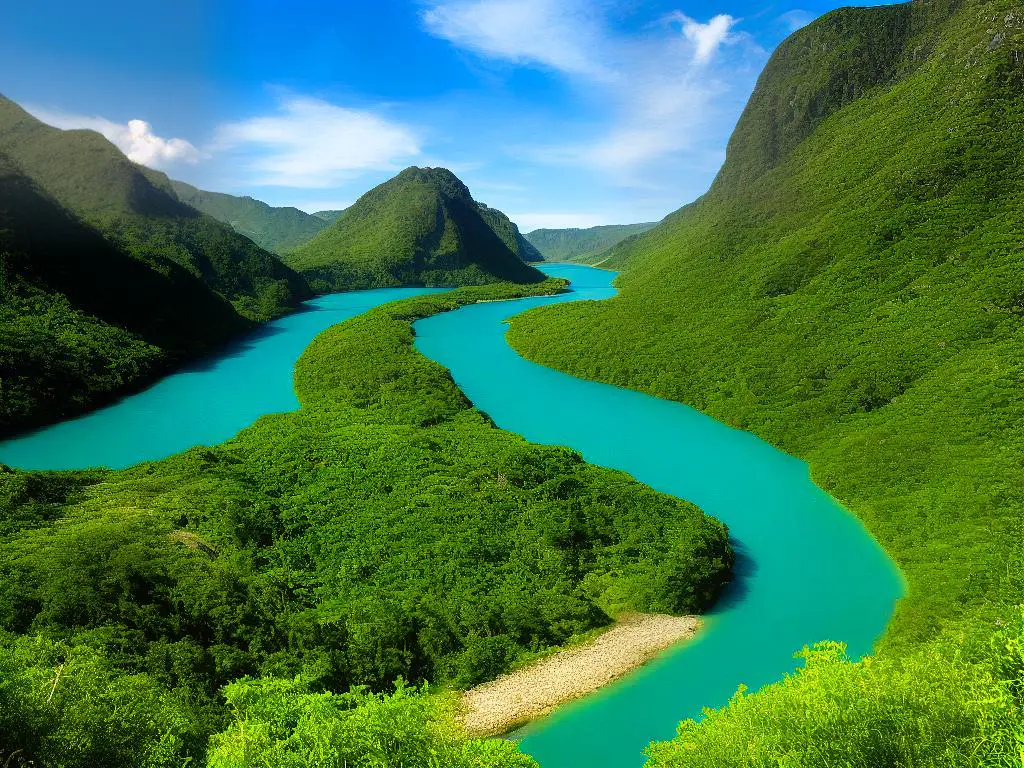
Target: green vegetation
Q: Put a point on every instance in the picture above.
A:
(278, 230)
(137, 210)
(584, 246)
(509, 233)
(80, 320)
(330, 216)
(386, 531)
(942, 706)
(852, 289)
(420, 228)
(106, 279)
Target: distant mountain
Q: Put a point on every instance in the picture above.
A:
(422, 227)
(137, 209)
(278, 230)
(583, 245)
(509, 233)
(330, 216)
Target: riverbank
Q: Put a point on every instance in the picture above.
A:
(526, 694)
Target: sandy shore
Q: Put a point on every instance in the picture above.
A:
(518, 697)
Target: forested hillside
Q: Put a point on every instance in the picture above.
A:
(420, 228)
(278, 230)
(585, 246)
(510, 235)
(137, 210)
(386, 530)
(851, 289)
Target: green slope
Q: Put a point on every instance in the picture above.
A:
(510, 235)
(330, 216)
(852, 289)
(137, 209)
(855, 296)
(420, 228)
(585, 246)
(278, 230)
(80, 320)
(385, 529)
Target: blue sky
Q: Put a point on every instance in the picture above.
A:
(559, 112)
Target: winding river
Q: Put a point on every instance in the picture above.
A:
(807, 569)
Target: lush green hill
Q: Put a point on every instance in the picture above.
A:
(852, 289)
(386, 529)
(586, 246)
(80, 320)
(276, 229)
(420, 228)
(330, 216)
(510, 235)
(137, 209)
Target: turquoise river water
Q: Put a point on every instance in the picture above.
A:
(807, 569)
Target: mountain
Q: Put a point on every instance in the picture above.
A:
(587, 246)
(80, 319)
(330, 216)
(510, 235)
(420, 228)
(277, 230)
(137, 209)
(852, 288)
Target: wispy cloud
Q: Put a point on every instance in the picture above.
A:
(659, 88)
(550, 33)
(706, 38)
(311, 143)
(135, 138)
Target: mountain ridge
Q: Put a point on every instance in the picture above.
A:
(421, 227)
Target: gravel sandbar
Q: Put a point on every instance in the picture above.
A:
(526, 694)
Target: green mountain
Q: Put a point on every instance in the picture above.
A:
(80, 319)
(137, 209)
(510, 235)
(852, 289)
(420, 228)
(330, 216)
(278, 230)
(585, 246)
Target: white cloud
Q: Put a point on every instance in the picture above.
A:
(312, 143)
(706, 38)
(552, 33)
(135, 138)
(658, 90)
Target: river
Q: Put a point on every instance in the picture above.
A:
(807, 569)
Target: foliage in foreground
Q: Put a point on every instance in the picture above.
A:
(945, 705)
(282, 723)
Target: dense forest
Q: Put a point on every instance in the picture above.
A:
(851, 289)
(509, 233)
(278, 230)
(220, 605)
(584, 246)
(420, 228)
